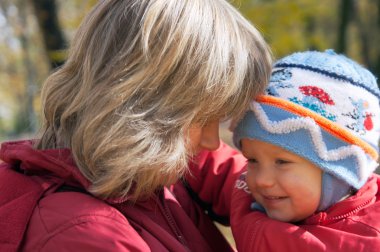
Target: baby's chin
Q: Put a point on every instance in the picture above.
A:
(283, 217)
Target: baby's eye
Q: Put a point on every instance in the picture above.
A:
(252, 161)
(251, 164)
(282, 161)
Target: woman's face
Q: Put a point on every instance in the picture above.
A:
(286, 185)
(204, 138)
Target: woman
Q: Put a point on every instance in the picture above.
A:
(144, 87)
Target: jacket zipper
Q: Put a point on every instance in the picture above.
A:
(170, 220)
(350, 212)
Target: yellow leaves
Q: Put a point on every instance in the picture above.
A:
(290, 26)
(57, 55)
(71, 13)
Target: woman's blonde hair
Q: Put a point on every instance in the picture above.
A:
(138, 74)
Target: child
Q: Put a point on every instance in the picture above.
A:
(312, 146)
(143, 89)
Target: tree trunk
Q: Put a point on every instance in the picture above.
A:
(55, 44)
(345, 10)
(26, 118)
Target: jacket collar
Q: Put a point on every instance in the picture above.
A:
(52, 162)
(56, 163)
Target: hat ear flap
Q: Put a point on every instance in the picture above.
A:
(333, 190)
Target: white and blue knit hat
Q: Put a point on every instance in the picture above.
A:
(324, 107)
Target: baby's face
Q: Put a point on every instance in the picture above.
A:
(286, 185)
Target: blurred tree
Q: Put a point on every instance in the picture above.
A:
(348, 26)
(290, 26)
(21, 52)
(56, 19)
(359, 32)
(30, 42)
(346, 10)
(54, 41)
(367, 20)
(26, 118)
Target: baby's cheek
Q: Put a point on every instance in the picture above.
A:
(250, 180)
(290, 179)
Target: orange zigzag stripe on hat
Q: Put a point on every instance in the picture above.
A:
(331, 127)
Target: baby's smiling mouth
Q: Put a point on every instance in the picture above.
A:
(268, 197)
(273, 201)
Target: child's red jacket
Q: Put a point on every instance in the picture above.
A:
(350, 225)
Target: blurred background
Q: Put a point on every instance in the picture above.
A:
(34, 35)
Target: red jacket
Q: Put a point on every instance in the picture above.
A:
(65, 220)
(349, 225)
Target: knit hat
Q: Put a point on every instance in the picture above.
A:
(325, 108)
